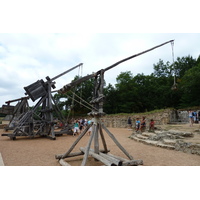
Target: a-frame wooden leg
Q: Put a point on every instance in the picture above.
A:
(76, 142)
(103, 138)
(88, 146)
(117, 143)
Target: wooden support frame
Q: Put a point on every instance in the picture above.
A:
(96, 113)
(100, 155)
(97, 134)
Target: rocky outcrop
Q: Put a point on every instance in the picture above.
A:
(171, 139)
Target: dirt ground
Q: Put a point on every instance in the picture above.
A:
(41, 151)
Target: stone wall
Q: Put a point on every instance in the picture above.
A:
(120, 121)
(179, 116)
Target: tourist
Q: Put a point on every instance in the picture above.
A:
(194, 116)
(137, 124)
(81, 125)
(76, 128)
(129, 123)
(191, 118)
(143, 124)
(198, 116)
(85, 122)
(90, 129)
(151, 125)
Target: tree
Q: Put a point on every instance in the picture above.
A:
(191, 87)
(127, 93)
(182, 65)
(162, 70)
(111, 100)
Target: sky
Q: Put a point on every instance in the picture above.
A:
(28, 57)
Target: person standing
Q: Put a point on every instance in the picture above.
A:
(191, 118)
(76, 128)
(137, 124)
(194, 116)
(129, 123)
(143, 124)
(90, 129)
(151, 125)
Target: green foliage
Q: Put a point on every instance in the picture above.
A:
(191, 87)
(145, 93)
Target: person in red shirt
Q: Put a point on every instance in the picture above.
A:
(151, 125)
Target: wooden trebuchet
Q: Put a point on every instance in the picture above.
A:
(98, 127)
(40, 119)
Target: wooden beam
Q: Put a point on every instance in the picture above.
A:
(59, 156)
(112, 159)
(117, 143)
(87, 149)
(118, 157)
(74, 154)
(103, 138)
(98, 157)
(96, 139)
(127, 162)
(64, 163)
(76, 142)
(133, 163)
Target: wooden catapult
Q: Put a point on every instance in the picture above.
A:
(16, 111)
(97, 125)
(38, 120)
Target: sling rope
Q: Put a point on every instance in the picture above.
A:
(73, 99)
(79, 102)
(81, 75)
(84, 101)
(174, 87)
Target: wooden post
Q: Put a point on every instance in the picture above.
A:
(112, 159)
(103, 138)
(96, 138)
(117, 143)
(87, 149)
(64, 163)
(98, 157)
(59, 156)
(75, 143)
(133, 163)
(127, 162)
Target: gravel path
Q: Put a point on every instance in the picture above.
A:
(42, 151)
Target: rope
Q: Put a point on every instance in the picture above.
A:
(84, 101)
(72, 105)
(172, 44)
(174, 87)
(81, 74)
(79, 102)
